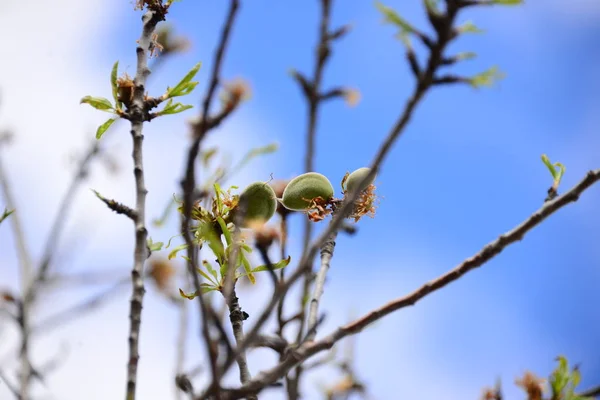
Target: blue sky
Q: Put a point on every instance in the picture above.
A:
(467, 169)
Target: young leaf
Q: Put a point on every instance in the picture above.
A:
(469, 27)
(5, 214)
(247, 268)
(99, 103)
(176, 250)
(211, 270)
(173, 108)
(281, 264)
(154, 246)
(104, 127)
(185, 86)
(158, 222)
(205, 276)
(205, 288)
(113, 84)
(392, 17)
(271, 148)
(486, 78)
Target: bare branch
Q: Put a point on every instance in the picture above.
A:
(484, 255)
(26, 273)
(138, 114)
(236, 317)
(188, 184)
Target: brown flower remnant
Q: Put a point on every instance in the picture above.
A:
(162, 273)
(352, 97)
(234, 92)
(155, 47)
(532, 385)
(318, 209)
(265, 235)
(125, 89)
(365, 204)
(491, 394)
(169, 43)
(344, 387)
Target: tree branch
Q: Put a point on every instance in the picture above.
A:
(26, 275)
(137, 117)
(188, 185)
(484, 255)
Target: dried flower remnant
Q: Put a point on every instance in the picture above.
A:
(365, 204)
(265, 235)
(532, 385)
(125, 89)
(171, 44)
(318, 209)
(234, 92)
(352, 97)
(162, 273)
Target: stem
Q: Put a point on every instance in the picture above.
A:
(26, 276)
(326, 255)
(141, 253)
(237, 322)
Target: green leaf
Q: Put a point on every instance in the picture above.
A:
(392, 17)
(113, 84)
(225, 230)
(171, 108)
(432, 6)
(268, 149)
(208, 234)
(211, 270)
(5, 214)
(561, 171)
(281, 264)
(207, 155)
(560, 376)
(548, 164)
(99, 103)
(486, 78)
(176, 250)
(104, 127)
(205, 276)
(158, 222)
(508, 2)
(467, 55)
(247, 268)
(154, 246)
(469, 27)
(205, 288)
(186, 85)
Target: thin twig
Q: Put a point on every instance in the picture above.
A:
(181, 344)
(137, 116)
(13, 389)
(483, 256)
(78, 310)
(593, 392)
(237, 322)
(26, 275)
(188, 184)
(314, 97)
(61, 216)
(326, 255)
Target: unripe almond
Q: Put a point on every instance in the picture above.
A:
(259, 202)
(355, 177)
(303, 189)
